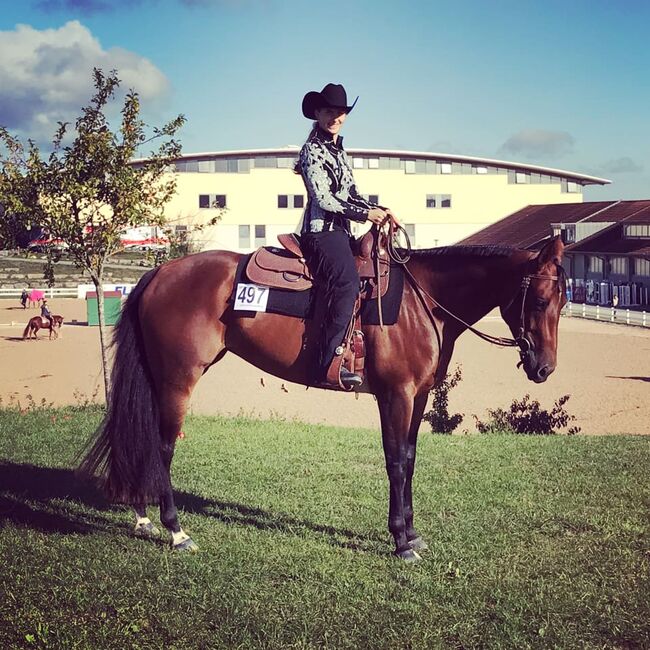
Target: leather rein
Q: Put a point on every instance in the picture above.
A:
(521, 341)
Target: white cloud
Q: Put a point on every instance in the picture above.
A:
(624, 165)
(538, 143)
(46, 76)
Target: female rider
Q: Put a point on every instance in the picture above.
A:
(332, 202)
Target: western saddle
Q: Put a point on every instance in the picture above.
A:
(285, 268)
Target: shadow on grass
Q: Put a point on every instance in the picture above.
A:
(45, 499)
(34, 497)
(242, 515)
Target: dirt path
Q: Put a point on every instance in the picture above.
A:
(605, 368)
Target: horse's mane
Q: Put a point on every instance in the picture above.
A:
(492, 250)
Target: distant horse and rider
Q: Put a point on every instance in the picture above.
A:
(180, 320)
(40, 323)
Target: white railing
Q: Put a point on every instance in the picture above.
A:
(79, 291)
(607, 314)
(60, 292)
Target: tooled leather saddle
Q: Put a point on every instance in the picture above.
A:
(286, 268)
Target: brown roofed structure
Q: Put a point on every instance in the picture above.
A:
(630, 211)
(529, 227)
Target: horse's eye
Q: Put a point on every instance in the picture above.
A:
(540, 304)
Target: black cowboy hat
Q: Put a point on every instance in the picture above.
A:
(332, 96)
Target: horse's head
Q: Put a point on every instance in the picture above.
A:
(533, 314)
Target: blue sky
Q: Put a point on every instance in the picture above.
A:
(560, 84)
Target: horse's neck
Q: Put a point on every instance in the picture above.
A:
(473, 286)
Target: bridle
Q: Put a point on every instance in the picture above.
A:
(521, 341)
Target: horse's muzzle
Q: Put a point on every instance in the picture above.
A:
(535, 370)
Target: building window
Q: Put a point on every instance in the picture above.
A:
(409, 166)
(212, 201)
(180, 229)
(357, 163)
(637, 230)
(291, 201)
(445, 168)
(260, 236)
(410, 231)
(373, 198)
(266, 162)
(480, 170)
(244, 236)
(373, 163)
(594, 264)
(438, 201)
(618, 265)
(573, 187)
(642, 267)
(521, 178)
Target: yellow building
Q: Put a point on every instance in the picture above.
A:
(440, 198)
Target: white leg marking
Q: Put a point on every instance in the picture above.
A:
(179, 537)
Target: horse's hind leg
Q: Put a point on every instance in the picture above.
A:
(144, 527)
(173, 405)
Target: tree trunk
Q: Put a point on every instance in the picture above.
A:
(103, 336)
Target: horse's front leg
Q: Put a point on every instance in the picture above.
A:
(396, 409)
(414, 539)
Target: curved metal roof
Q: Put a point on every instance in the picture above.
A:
(585, 179)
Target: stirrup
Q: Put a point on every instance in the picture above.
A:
(350, 379)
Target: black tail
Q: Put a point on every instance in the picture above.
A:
(125, 450)
(26, 331)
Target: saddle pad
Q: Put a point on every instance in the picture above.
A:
(300, 304)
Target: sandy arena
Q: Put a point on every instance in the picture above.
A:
(605, 368)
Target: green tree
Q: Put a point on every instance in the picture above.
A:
(87, 192)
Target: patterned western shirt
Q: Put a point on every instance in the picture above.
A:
(332, 196)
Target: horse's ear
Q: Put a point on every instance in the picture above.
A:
(551, 252)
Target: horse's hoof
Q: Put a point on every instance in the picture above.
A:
(408, 555)
(186, 545)
(418, 544)
(146, 530)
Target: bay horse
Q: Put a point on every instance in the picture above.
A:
(178, 322)
(39, 323)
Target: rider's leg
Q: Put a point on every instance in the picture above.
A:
(332, 263)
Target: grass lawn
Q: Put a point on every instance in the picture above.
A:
(535, 542)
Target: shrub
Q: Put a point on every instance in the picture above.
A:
(527, 417)
(438, 417)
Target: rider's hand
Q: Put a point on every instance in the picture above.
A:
(394, 219)
(377, 215)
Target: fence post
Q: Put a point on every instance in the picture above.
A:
(643, 319)
(584, 309)
(597, 312)
(627, 316)
(613, 315)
